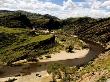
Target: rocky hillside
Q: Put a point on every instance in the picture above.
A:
(95, 30)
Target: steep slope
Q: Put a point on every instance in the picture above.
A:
(95, 30)
(16, 43)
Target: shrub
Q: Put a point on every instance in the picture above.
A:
(59, 71)
(54, 69)
(48, 56)
(69, 48)
(11, 80)
(32, 59)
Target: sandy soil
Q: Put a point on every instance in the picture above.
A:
(63, 55)
(77, 58)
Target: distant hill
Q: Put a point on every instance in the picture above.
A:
(23, 19)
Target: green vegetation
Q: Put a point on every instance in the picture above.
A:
(22, 19)
(60, 71)
(18, 43)
(65, 40)
(91, 30)
(95, 30)
(101, 65)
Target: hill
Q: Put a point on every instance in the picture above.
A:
(95, 30)
(86, 28)
(24, 19)
(18, 43)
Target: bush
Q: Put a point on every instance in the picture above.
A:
(32, 59)
(60, 71)
(48, 56)
(54, 69)
(69, 49)
(11, 80)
